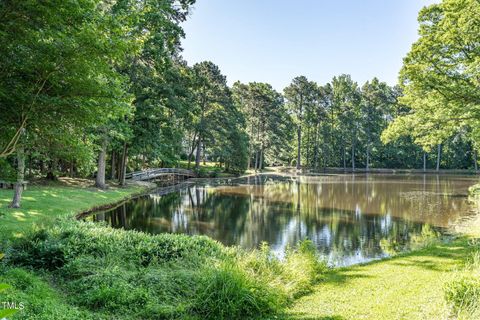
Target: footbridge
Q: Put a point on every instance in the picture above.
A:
(152, 174)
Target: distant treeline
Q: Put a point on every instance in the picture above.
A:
(98, 88)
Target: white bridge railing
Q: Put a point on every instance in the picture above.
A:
(155, 173)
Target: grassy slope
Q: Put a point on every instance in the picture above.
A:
(409, 286)
(41, 204)
(405, 287)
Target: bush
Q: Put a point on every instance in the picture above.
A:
(52, 248)
(294, 276)
(462, 291)
(131, 275)
(7, 171)
(40, 301)
(228, 292)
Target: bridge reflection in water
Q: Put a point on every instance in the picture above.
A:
(351, 218)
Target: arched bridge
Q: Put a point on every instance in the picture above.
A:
(151, 174)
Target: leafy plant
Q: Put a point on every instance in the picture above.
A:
(6, 312)
(128, 274)
(462, 291)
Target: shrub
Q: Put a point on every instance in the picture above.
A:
(131, 275)
(228, 292)
(462, 291)
(294, 276)
(40, 301)
(52, 248)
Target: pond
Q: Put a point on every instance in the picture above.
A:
(351, 218)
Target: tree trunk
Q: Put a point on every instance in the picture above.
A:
(424, 161)
(72, 168)
(17, 196)
(260, 164)
(299, 141)
(308, 162)
(51, 170)
(204, 158)
(353, 156)
(315, 149)
(439, 154)
(344, 159)
(114, 173)
(42, 167)
(100, 178)
(475, 163)
(123, 165)
(256, 160)
(192, 150)
(368, 157)
(197, 156)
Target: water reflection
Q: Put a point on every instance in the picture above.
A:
(351, 218)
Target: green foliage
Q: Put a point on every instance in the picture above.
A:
(462, 290)
(126, 274)
(5, 312)
(7, 172)
(268, 125)
(47, 81)
(230, 293)
(440, 76)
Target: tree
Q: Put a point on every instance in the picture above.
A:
(377, 104)
(300, 94)
(346, 106)
(212, 101)
(158, 79)
(268, 124)
(441, 76)
(46, 79)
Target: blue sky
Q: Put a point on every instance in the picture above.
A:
(275, 40)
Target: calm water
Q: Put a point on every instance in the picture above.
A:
(351, 218)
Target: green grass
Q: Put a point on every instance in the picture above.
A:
(207, 166)
(59, 268)
(409, 286)
(117, 274)
(436, 282)
(42, 204)
(62, 269)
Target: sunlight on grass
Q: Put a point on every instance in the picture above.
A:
(367, 291)
(44, 203)
(19, 216)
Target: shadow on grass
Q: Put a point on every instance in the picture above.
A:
(440, 257)
(304, 316)
(437, 258)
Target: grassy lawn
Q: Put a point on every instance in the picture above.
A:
(409, 286)
(43, 203)
(207, 166)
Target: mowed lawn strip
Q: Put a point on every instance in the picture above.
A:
(42, 204)
(409, 286)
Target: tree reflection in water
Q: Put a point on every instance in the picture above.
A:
(351, 218)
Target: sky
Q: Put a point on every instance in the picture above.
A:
(274, 41)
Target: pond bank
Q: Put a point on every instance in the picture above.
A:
(42, 204)
(408, 286)
(59, 268)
